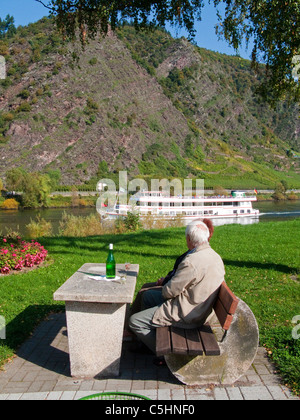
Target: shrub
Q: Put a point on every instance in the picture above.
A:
(76, 226)
(39, 92)
(93, 61)
(39, 227)
(24, 107)
(3, 48)
(7, 116)
(92, 105)
(278, 196)
(10, 204)
(24, 94)
(292, 196)
(130, 223)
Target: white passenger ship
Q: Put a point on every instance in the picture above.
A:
(158, 204)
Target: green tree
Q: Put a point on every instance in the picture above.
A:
(34, 186)
(7, 27)
(102, 169)
(280, 191)
(273, 26)
(284, 185)
(36, 190)
(54, 177)
(15, 179)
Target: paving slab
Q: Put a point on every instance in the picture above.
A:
(41, 371)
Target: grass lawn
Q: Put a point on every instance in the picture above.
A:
(262, 264)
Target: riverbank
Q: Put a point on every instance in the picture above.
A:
(17, 220)
(262, 266)
(88, 199)
(64, 201)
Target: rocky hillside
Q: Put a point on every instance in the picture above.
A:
(144, 102)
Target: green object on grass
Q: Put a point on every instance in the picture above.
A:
(114, 396)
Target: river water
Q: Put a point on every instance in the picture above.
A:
(17, 220)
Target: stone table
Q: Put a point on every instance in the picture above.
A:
(95, 311)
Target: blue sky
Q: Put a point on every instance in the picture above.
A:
(28, 11)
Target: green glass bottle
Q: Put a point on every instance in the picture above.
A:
(111, 264)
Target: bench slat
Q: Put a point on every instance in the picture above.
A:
(228, 299)
(163, 341)
(225, 306)
(209, 341)
(179, 345)
(224, 318)
(194, 342)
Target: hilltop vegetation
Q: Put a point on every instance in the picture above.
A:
(142, 102)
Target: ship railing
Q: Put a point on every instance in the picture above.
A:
(193, 197)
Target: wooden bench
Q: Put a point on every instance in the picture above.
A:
(198, 341)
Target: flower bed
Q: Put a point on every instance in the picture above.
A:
(16, 254)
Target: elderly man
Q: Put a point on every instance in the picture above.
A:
(187, 300)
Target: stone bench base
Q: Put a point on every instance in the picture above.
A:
(238, 351)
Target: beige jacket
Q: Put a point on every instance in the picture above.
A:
(191, 293)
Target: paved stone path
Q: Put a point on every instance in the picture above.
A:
(41, 371)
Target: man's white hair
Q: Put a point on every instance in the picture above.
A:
(198, 232)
